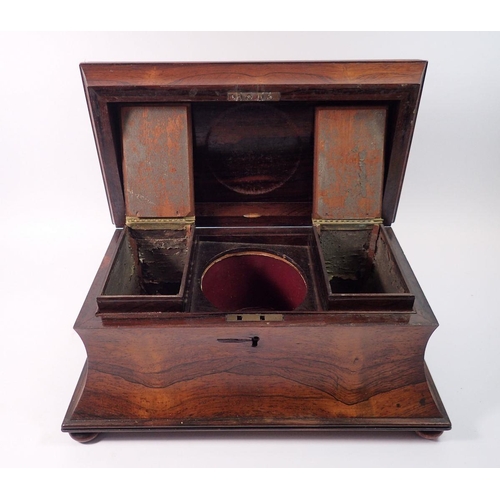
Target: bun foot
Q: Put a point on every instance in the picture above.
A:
(84, 437)
(433, 435)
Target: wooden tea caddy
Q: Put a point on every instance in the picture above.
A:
(254, 280)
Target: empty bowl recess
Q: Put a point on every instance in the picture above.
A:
(253, 280)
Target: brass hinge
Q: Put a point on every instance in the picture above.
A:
(347, 222)
(159, 223)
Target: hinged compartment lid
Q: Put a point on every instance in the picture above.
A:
(327, 140)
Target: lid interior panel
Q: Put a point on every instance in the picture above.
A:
(349, 163)
(283, 132)
(157, 161)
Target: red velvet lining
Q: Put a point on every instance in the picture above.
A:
(253, 281)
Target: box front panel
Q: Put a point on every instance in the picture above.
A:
(254, 375)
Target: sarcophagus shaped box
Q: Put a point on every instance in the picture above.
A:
(254, 280)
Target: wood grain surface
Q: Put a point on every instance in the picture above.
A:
(215, 74)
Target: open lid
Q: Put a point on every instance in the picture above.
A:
(324, 139)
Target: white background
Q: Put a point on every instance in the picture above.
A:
(56, 227)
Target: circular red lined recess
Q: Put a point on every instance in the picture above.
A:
(253, 281)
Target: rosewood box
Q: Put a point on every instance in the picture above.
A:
(254, 280)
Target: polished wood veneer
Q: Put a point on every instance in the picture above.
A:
(253, 280)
